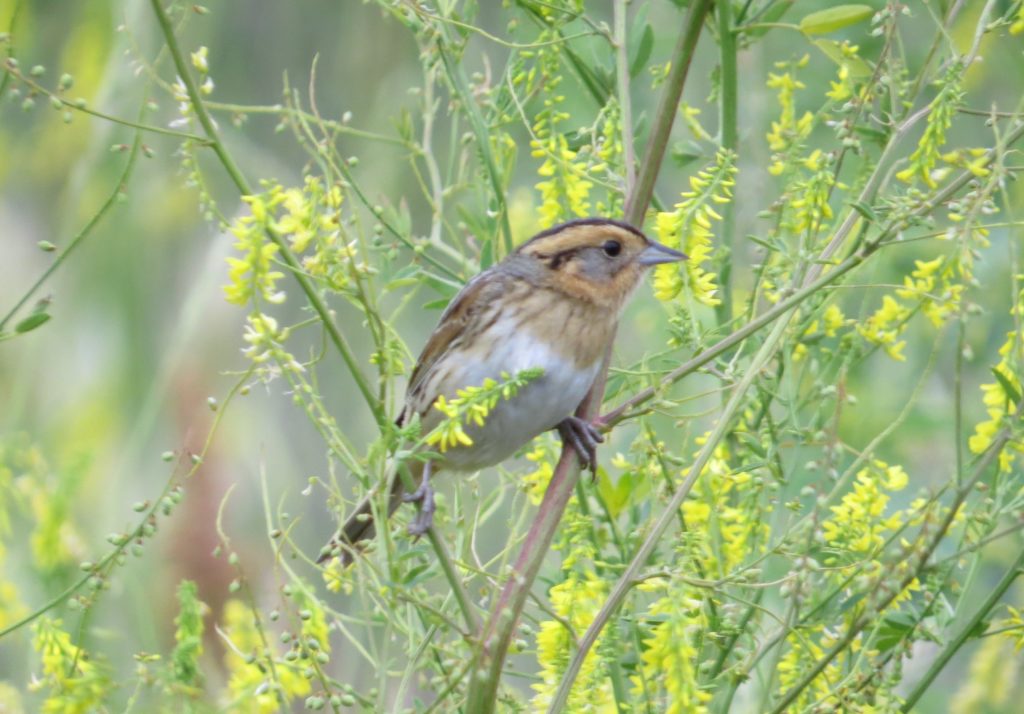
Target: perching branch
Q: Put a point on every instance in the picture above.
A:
(497, 631)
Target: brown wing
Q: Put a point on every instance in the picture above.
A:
(460, 314)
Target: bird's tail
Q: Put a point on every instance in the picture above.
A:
(360, 526)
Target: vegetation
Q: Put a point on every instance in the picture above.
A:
(811, 495)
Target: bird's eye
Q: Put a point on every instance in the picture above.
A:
(611, 248)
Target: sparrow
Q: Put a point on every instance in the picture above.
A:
(553, 304)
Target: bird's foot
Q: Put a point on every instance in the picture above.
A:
(583, 437)
(424, 495)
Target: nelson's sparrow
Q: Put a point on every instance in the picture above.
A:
(553, 304)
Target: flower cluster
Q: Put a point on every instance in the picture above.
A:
(576, 600)
(831, 321)
(788, 131)
(256, 681)
(859, 524)
(536, 482)
(252, 276)
(810, 206)
(565, 188)
(688, 227)
(186, 675)
(266, 349)
(1001, 398)
(724, 515)
(75, 684)
(940, 117)
(884, 327)
(307, 217)
(931, 283)
(671, 654)
(611, 154)
(471, 405)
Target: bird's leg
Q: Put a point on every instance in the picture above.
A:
(424, 495)
(582, 436)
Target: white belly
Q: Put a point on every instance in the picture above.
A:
(536, 408)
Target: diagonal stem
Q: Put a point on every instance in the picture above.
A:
(664, 118)
(238, 178)
(497, 631)
(628, 579)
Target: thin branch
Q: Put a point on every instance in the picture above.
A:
(625, 103)
(119, 187)
(664, 118)
(497, 631)
(315, 300)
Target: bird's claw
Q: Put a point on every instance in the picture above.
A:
(424, 495)
(583, 437)
(425, 518)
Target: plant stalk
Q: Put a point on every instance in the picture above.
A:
(664, 118)
(966, 633)
(628, 578)
(497, 631)
(238, 178)
(727, 95)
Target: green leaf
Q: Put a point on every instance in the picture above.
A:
(893, 630)
(765, 243)
(979, 629)
(766, 19)
(643, 52)
(1008, 387)
(835, 18)
(441, 285)
(437, 304)
(865, 210)
(31, 322)
(685, 152)
(859, 69)
(877, 135)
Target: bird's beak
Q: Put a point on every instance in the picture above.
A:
(656, 253)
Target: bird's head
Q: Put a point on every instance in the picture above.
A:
(598, 260)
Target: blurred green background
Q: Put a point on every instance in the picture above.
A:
(141, 336)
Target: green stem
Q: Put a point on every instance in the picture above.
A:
(730, 141)
(625, 103)
(461, 88)
(315, 300)
(111, 201)
(866, 619)
(497, 631)
(452, 575)
(629, 577)
(40, 89)
(967, 632)
(682, 56)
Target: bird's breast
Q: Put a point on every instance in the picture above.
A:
(556, 341)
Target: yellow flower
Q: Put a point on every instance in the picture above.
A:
(833, 320)
(998, 396)
(688, 227)
(576, 600)
(536, 482)
(884, 327)
(471, 405)
(670, 656)
(940, 118)
(251, 275)
(76, 683)
(255, 684)
(858, 523)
